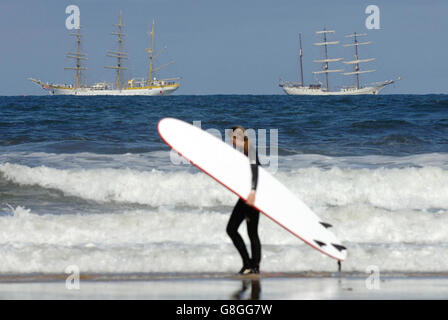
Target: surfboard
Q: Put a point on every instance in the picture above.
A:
(231, 168)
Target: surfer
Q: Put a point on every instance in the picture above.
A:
(243, 209)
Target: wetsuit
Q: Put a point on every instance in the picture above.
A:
(243, 211)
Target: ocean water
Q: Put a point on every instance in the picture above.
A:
(87, 181)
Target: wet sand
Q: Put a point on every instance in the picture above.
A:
(218, 286)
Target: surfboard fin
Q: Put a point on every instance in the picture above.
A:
(326, 225)
(320, 243)
(338, 246)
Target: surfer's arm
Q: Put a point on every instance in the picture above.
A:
(254, 169)
(253, 159)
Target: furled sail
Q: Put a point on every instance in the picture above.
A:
(325, 43)
(327, 71)
(359, 61)
(357, 44)
(329, 60)
(358, 72)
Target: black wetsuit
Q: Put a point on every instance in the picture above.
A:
(243, 211)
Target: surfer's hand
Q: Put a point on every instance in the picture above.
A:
(251, 198)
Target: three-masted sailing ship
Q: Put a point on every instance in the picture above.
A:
(320, 89)
(137, 86)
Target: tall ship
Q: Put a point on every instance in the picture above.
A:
(322, 89)
(136, 86)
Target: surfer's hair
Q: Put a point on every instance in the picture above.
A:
(246, 138)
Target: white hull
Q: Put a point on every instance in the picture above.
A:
(307, 91)
(158, 91)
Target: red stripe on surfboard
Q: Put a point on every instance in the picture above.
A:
(308, 243)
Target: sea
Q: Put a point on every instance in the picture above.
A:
(88, 182)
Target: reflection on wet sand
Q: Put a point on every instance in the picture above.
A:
(255, 285)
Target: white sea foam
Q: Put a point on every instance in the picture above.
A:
(169, 240)
(152, 187)
(390, 212)
(161, 160)
(393, 189)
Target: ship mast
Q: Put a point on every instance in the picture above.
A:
(152, 56)
(150, 51)
(357, 61)
(300, 55)
(120, 55)
(326, 60)
(78, 56)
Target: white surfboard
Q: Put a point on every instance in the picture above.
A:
(231, 168)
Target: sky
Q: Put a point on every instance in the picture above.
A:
(225, 47)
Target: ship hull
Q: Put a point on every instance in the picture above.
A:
(154, 91)
(306, 91)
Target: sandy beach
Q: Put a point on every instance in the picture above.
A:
(287, 286)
